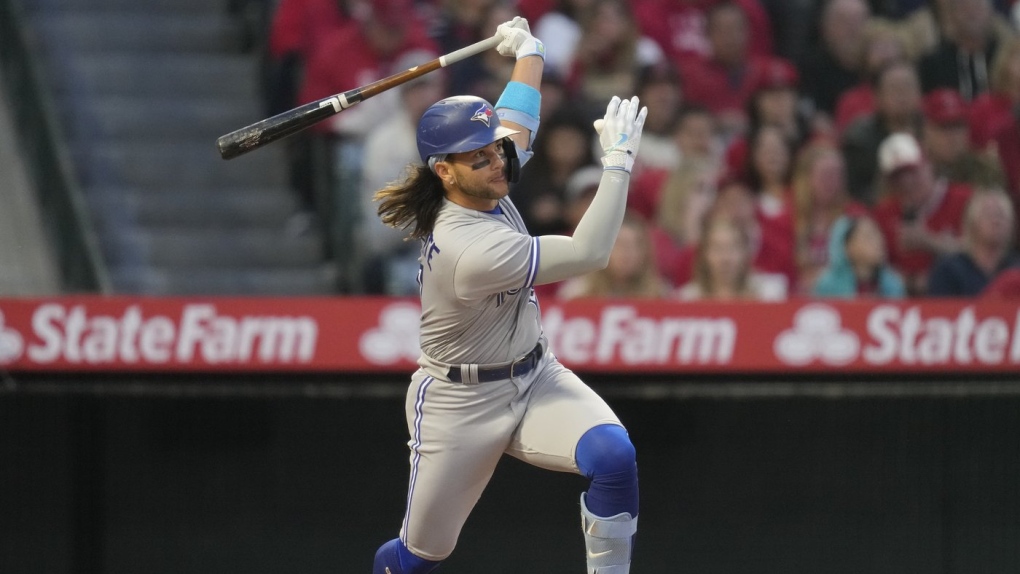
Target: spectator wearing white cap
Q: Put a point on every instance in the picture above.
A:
(921, 215)
(897, 109)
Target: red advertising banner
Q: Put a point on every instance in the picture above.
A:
(380, 335)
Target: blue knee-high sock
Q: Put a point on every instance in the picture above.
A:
(606, 456)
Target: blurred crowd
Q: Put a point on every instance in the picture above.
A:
(823, 148)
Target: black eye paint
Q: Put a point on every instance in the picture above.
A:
(480, 165)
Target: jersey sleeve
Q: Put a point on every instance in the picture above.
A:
(501, 260)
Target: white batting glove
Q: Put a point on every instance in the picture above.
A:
(620, 133)
(517, 40)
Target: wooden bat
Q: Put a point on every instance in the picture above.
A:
(292, 121)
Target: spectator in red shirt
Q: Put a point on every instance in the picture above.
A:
(722, 267)
(988, 248)
(1005, 286)
(768, 175)
(296, 29)
(679, 26)
(357, 55)
(820, 198)
(733, 200)
(920, 216)
(775, 103)
(725, 81)
(993, 111)
(533, 10)
(945, 141)
(1007, 142)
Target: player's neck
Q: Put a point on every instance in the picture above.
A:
(471, 202)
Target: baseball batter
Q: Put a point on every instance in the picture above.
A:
(488, 383)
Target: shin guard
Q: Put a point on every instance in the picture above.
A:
(608, 541)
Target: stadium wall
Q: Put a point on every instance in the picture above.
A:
(292, 473)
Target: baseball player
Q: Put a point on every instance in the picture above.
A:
(488, 384)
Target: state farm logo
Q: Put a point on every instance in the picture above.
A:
(817, 334)
(909, 336)
(396, 336)
(199, 334)
(11, 343)
(620, 334)
(904, 336)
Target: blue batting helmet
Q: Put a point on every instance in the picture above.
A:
(458, 124)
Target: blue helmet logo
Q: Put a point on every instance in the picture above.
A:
(482, 115)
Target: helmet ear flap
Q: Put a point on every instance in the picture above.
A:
(512, 163)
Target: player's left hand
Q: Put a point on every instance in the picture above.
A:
(620, 132)
(517, 40)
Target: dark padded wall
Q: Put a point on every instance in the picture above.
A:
(122, 484)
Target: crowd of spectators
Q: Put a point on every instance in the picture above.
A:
(827, 148)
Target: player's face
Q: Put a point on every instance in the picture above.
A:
(480, 173)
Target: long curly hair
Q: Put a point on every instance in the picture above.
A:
(413, 202)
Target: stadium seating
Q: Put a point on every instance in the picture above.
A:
(143, 92)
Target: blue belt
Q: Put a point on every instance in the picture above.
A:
(518, 368)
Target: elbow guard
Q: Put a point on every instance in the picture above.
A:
(520, 103)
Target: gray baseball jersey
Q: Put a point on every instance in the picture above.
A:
(478, 307)
(476, 274)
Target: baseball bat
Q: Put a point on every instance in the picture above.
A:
(292, 121)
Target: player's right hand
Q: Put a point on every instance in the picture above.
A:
(517, 40)
(620, 132)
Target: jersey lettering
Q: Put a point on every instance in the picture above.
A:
(428, 249)
(501, 297)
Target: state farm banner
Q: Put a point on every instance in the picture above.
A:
(380, 335)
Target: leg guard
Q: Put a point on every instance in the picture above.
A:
(394, 558)
(609, 541)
